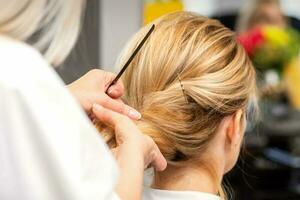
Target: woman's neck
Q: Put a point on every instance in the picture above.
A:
(187, 179)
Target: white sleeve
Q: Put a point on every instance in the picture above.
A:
(48, 148)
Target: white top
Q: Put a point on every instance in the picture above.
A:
(155, 194)
(48, 148)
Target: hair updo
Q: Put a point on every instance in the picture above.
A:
(188, 76)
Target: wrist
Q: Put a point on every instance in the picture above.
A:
(132, 152)
(131, 164)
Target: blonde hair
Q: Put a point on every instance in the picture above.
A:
(247, 15)
(52, 26)
(189, 75)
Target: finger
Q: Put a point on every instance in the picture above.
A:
(116, 90)
(106, 116)
(113, 119)
(119, 107)
(92, 117)
(119, 100)
(159, 162)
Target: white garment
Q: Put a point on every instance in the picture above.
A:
(155, 194)
(48, 148)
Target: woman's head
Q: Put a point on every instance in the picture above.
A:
(190, 81)
(261, 12)
(51, 25)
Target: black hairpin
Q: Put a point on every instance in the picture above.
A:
(131, 57)
(182, 88)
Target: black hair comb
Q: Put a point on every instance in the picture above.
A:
(131, 57)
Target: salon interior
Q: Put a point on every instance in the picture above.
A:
(269, 164)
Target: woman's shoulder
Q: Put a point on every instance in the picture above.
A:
(156, 194)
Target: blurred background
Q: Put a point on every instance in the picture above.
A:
(269, 167)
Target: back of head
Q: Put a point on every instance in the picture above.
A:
(189, 75)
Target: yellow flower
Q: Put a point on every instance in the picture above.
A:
(276, 36)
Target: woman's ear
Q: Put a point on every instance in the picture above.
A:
(233, 131)
(235, 128)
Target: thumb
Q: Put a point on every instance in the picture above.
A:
(116, 90)
(159, 162)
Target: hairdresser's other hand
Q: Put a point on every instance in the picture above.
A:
(90, 89)
(134, 152)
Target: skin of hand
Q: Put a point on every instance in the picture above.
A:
(134, 152)
(91, 87)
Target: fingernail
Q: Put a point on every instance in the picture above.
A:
(134, 114)
(112, 92)
(97, 107)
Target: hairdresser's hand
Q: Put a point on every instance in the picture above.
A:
(90, 89)
(134, 152)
